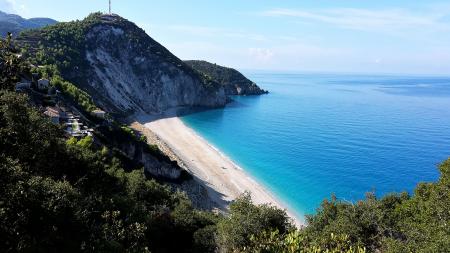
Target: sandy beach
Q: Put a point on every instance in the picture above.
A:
(223, 179)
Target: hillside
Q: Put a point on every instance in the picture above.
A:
(120, 66)
(15, 23)
(232, 80)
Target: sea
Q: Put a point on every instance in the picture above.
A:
(318, 135)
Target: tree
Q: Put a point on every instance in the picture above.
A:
(246, 220)
(11, 64)
(58, 195)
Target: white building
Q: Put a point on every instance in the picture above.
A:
(99, 114)
(43, 84)
(23, 86)
(54, 114)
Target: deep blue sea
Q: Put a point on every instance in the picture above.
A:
(319, 134)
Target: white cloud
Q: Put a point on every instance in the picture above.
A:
(361, 19)
(422, 47)
(13, 6)
(216, 32)
(263, 55)
(6, 6)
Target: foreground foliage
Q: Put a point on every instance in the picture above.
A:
(394, 223)
(68, 196)
(11, 65)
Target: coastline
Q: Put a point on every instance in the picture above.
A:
(224, 179)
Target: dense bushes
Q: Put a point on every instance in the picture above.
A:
(123, 134)
(67, 196)
(232, 80)
(61, 44)
(223, 75)
(245, 220)
(11, 65)
(394, 223)
(80, 97)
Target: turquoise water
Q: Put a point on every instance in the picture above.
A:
(315, 135)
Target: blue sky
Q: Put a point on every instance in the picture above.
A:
(383, 36)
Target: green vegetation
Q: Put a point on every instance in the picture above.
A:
(229, 78)
(61, 45)
(58, 49)
(394, 223)
(82, 98)
(221, 74)
(133, 134)
(151, 148)
(79, 97)
(247, 220)
(11, 65)
(67, 196)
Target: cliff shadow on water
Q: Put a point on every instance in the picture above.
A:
(234, 102)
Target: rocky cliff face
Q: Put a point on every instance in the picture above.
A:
(133, 77)
(165, 170)
(123, 69)
(232, 80)
(138, 153)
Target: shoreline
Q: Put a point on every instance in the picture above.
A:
(224, 179)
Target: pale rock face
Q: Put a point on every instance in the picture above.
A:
(151, 165)
(127, 76)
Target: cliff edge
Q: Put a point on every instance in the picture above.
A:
(120, 66)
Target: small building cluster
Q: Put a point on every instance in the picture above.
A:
(75, 128)
(41, 85)
(71, 122)
(47, 95)
(55, 115)
(20, 86)
(99, 114)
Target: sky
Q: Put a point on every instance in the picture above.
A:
(352, 36)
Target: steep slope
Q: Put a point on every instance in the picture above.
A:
(123, 69)
(15, 23)
(232, 80)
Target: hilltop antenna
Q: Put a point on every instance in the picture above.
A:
(109, 7)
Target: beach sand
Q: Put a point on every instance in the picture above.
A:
(224, 180)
